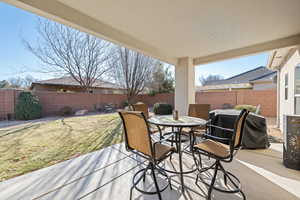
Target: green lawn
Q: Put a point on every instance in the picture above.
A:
(30, 147)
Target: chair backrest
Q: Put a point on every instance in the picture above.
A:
(141, 107)
(238, 130)
(136, 132)
(199, 111)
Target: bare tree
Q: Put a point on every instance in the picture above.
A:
(27, 81)
(204, 80)
(162, 79)
(131, 70)
(4, 84)
(69, 52)
(16, 82)
(19, 82)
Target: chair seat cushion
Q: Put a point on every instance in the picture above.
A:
(154, 128)
(162, 150)
(215, 148)
(198, 131)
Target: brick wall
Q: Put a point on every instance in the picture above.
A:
(266, 98)
(217, 99)
(8, 98)
(52, 102)
(151, 100)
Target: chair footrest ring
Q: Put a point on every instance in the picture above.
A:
(136, 181)
(236, 186)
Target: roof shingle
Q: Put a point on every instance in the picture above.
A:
(69, 81)
(245, 77)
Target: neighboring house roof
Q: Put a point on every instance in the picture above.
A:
(69, 81)
(243, 80)
(224, 86)
(245, 77)
(265, 78)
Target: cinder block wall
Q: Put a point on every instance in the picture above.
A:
(151, 100)
(266, 98)
(52, 102)
(8, 98)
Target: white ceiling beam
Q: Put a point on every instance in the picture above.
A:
(258, 48)
(63, 14)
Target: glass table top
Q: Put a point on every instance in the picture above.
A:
(183, 121)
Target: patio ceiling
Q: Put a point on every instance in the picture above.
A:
(203, 30)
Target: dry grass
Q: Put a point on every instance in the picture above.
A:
(38, 145)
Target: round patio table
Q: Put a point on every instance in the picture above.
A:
(182, 122)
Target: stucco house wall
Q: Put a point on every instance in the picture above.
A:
(264, 86)
(287, 106)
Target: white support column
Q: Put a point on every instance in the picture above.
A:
(184, 84)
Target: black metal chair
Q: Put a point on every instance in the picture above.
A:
(138, 140)
(215, 149)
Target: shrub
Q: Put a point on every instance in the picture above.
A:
(162, 109)
(152, 93)
(125, 104)
(66, 111)
(248, 107)
(28, 107)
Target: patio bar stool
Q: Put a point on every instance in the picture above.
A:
(138, 141)
(222, 153)
(198, 111)
(142, 107)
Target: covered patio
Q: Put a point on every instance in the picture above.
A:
(182, 33)
(107, 174)
(185, 34)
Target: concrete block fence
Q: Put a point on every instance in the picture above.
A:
(52, 102)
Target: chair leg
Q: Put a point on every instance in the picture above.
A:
(227, 176)
(225, 179)
(172, 139)
(166, 175)
(197, 178)
(145, 173)
(160, 132)
(155, 181)
(191, 141)
(213, 180)
(200, 160)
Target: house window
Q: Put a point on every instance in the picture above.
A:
(286, 83)
(297, 90)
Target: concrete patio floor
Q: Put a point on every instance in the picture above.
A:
(106, 174)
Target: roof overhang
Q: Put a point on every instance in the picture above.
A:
(262, 81)
(225, 86)
(278, 57)
(206, 31)
(70, 86)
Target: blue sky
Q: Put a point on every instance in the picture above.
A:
(232, 67)
(15, 60)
